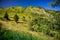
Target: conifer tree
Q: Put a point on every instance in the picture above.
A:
(16, 18)
(6, 16)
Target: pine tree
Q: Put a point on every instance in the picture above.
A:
(6, 16)
(16, 18)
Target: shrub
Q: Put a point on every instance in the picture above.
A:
(35, 28)
(23, 18)
(57, 37)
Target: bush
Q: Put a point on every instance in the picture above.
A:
(35, 28)
(23, 18)
(57, 37)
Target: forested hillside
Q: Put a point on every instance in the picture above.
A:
(31, 23)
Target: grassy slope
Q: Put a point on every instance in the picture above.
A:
(22, 27)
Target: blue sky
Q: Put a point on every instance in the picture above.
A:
(26, 3)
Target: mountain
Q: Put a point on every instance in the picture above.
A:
(31, 23)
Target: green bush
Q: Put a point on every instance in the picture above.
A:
(23, 18)
(57, 37)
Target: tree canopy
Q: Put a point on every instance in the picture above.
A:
(56, 3)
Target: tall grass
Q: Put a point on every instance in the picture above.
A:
(15, 35)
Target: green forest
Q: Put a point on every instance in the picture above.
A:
(31, 23)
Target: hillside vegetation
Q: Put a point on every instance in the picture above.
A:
(31, 23)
